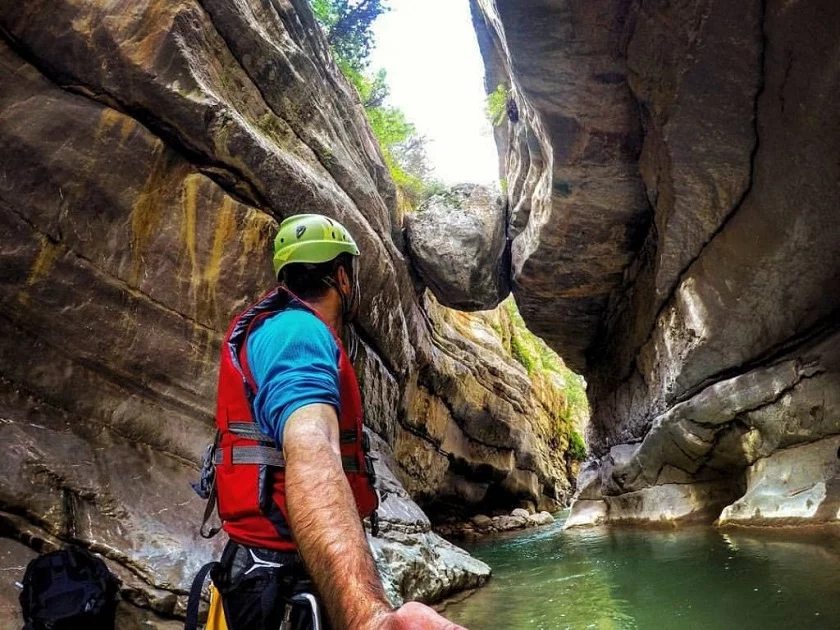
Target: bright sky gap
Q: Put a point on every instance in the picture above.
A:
(436, 76)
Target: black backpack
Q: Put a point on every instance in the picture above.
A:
(67, 589)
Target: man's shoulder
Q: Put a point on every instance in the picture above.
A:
(294, 323)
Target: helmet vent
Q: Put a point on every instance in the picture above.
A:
(300, 230)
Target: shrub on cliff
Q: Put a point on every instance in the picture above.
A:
(538, 359)
(496, 107)
(348, 27)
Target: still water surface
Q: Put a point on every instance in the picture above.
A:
(634, 578)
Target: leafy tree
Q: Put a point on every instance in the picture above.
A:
(348, 27)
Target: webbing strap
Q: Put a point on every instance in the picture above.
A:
(209, 508)
(264, 455)
(195, 595)
(251, 431)
(268, 456)
(347, 436)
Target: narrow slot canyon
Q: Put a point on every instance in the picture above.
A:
(615, 358)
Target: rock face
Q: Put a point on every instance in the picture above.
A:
(673, 181)
(414, 562)
(458, 244)
(481, 431)
(147, 155)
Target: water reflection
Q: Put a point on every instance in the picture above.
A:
(625, 578)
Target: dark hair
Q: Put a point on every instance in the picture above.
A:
(306, 280)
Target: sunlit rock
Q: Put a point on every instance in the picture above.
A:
(586, 513)
(799, 485)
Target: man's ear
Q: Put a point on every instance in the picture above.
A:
(344, 280)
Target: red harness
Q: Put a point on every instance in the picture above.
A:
(250, 481)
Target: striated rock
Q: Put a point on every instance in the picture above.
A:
(482, 433)
(674, 222)
(458, 244)
(577, 202)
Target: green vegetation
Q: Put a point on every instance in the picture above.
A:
(538, 359)
(348, 27)
(577, 447)
(497, 105)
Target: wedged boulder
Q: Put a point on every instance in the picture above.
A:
(457, 241)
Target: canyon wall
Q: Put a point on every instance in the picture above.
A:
(673, 176)
(149, 150)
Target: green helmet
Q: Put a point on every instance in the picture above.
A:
(311, 238)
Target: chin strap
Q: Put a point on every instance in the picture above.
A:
(350, 307)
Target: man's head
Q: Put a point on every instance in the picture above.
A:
(314, 255)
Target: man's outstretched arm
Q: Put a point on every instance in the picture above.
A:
(329, 533)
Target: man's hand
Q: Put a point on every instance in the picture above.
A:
(414, 616)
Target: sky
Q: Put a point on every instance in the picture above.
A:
(436, 76)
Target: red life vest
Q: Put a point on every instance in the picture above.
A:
(250, 480)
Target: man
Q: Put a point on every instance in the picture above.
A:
(286, 384)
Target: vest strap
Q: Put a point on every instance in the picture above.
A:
(251, 431)
(270, 456)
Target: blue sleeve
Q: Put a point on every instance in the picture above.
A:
(293, 358)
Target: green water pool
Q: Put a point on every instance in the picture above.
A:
(641, 578)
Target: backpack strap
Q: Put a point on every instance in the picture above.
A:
(194, 602)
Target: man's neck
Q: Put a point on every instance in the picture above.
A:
(328, 306)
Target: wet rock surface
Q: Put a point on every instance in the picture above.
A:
(147, 156)
(673, 186)
(480, 525)
(415, 563)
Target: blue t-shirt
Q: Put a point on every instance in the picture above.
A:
(293, 358)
